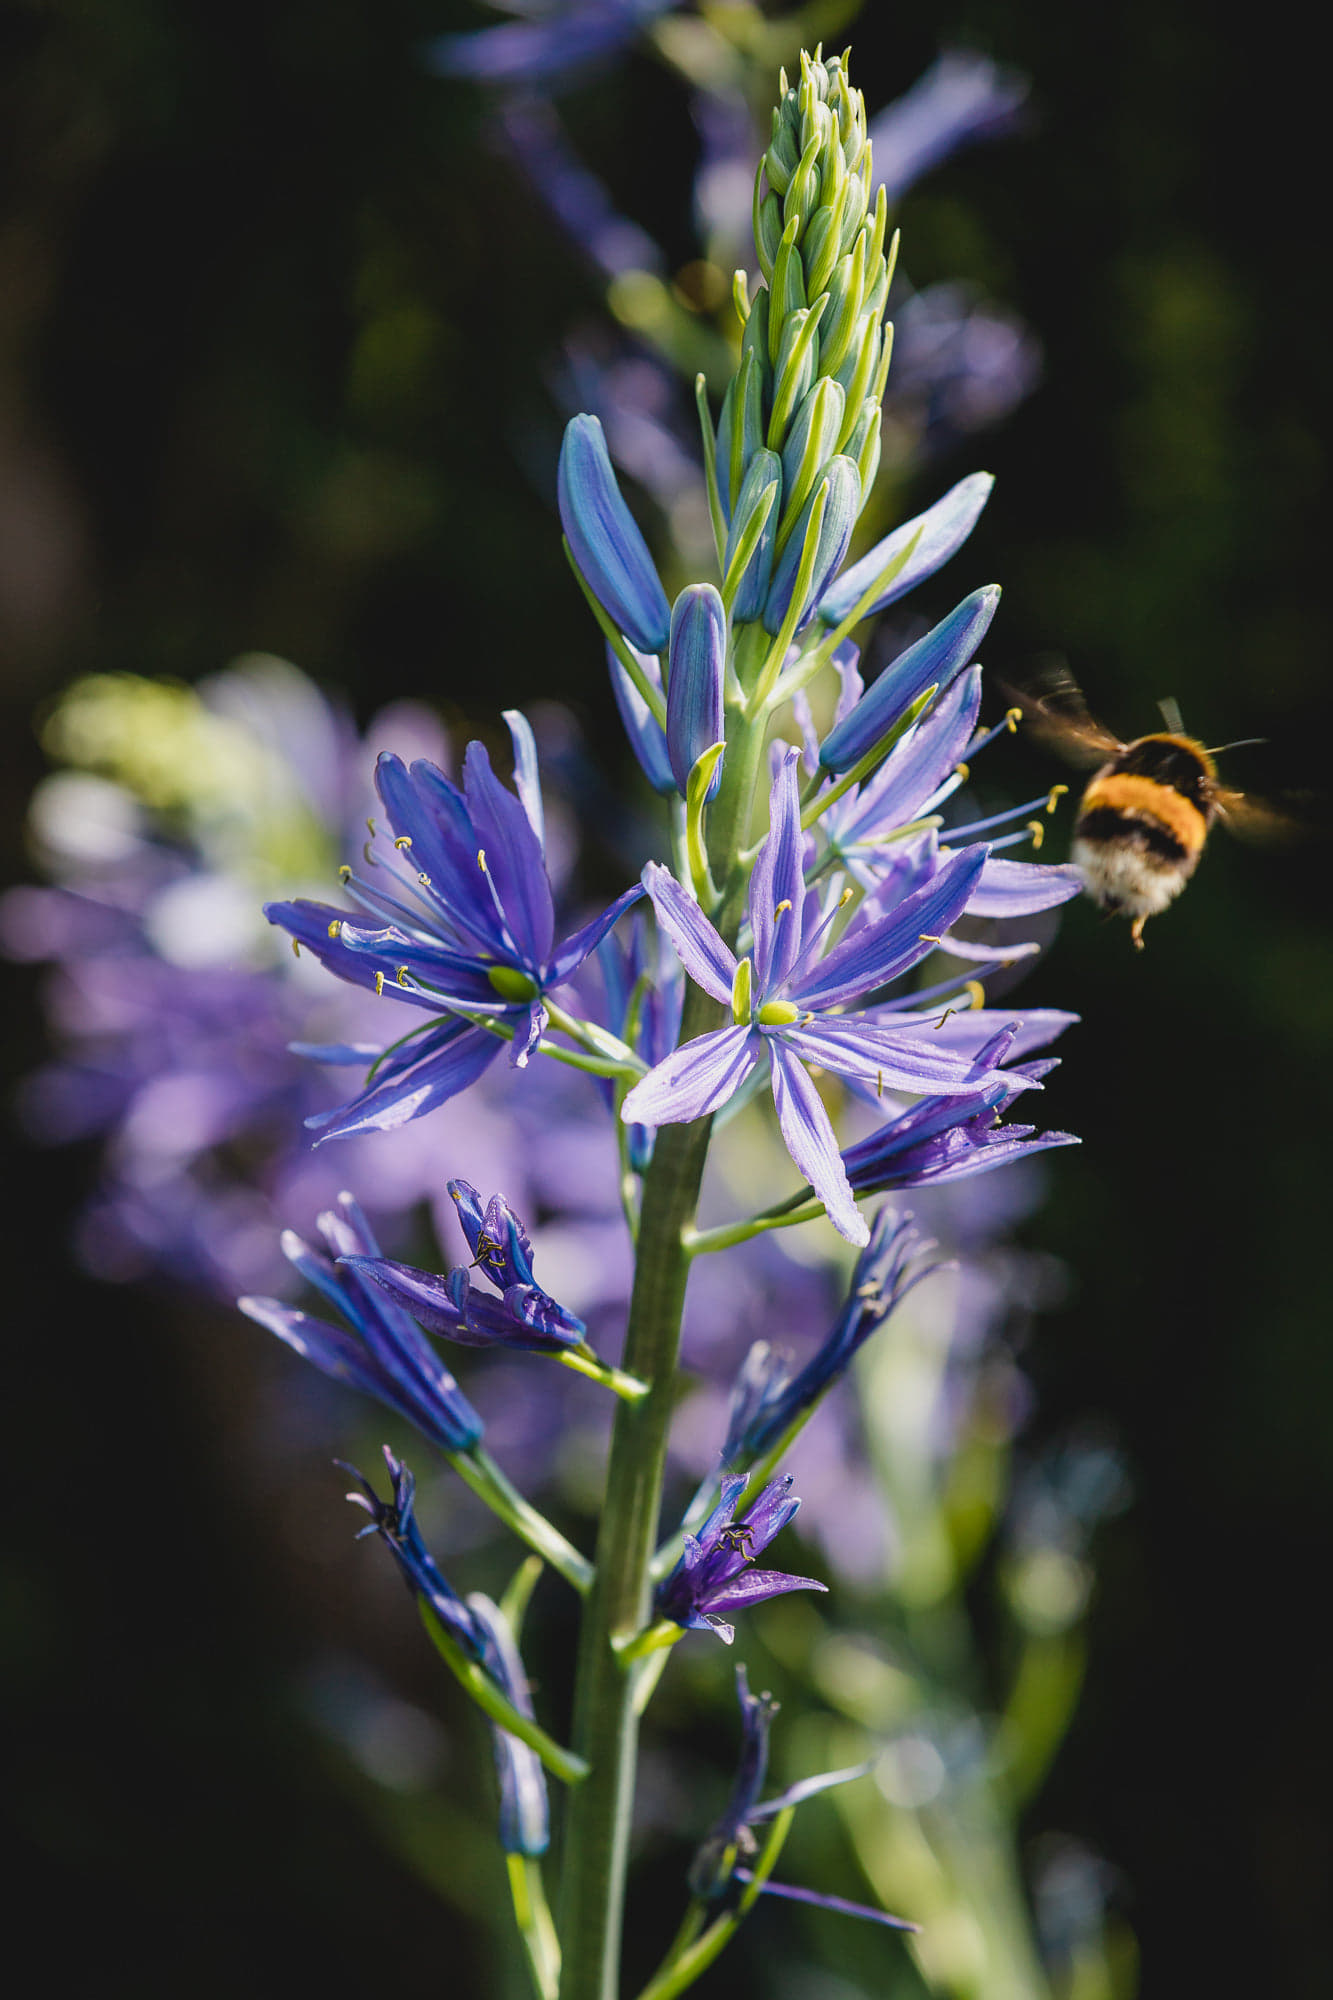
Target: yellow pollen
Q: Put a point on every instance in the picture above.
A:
(481, 859)
(370, 860)
(925, 937)
(401, 975)
(296, 947)
(1012, 718)
(975, 991)
(963, 771)
(379, 984)
(944, 1017)
(845, 898)
(879, 1083)
(1054, 796)
(371, 824)
(1037, 829)
(403, 840)
(424, 881)
(345, 872)
(335, 927)
(785, 904)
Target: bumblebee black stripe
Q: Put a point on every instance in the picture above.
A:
(1170, 762)
(1108, 823)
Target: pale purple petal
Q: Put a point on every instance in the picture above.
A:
(699, 948)
(514, 857)
(778, 883)
(810, 1140)
(527, 779)
(694, 1080)
(919, 765)
(855, 1046)
(576, 948)
(877, 952)
(752, 1586)
(1017, 888)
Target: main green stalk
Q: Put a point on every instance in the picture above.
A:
(605, 1728)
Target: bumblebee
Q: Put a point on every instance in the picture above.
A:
(1147, 811)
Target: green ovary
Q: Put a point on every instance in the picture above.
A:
(511, 984)
(778, 1014)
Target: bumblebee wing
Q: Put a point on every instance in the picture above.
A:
(1055, 712)
(1257, 819)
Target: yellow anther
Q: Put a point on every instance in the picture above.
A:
(345, 872)
(975, 992)
(879, 1083)
(1037, 828)
(785, 904)
(944, 1017)
(335, 927)
(403, 840)
(296, 947)
(845, 898)
(925, 938)
(963, 771)
(1012, 718)
(401, 975)
(424, 881)
(379, 984)
(1054, 796)
(481, 859)
(370, 860)
(371, 824)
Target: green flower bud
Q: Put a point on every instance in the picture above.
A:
(811, 443)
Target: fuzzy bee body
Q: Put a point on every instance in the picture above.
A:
(1142, 823)
(1147, 810)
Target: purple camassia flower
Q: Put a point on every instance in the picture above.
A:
(471, 926)
(717, 1864)
(784, 999)
(385, 1355)
(524, 1316)
(394, 1521)
(713, 1575)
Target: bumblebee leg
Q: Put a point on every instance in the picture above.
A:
(1136, 932)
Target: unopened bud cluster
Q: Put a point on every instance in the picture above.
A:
(799, 435)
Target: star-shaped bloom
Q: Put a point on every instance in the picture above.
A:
(523, 1316)
(787, 1001)
(715, 1573)
(384, 1354)
(467, 930)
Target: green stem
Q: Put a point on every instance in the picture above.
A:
(533, 1918)
(684, 1967)
(605, 1710)
(479, 1471)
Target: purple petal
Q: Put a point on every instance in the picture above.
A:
(752, 1586)
(514, 857)
(852, 1045)
(1017, 888)
(878, 952)
(919, 765)
(527, 777)
(944, 528)
(810, 1140)
(447, 1065)
(836, 1903)
(694, 1080)
(348, 1054)
(577, 947)
(700, 950)
(777, 887)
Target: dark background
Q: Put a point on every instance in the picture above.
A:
(272, 350)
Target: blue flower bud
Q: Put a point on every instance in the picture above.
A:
(611, 554)
(764, 471)
(842, 485)
(694, 680)
(938, 658)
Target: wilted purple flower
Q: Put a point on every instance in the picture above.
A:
(523, 1316)
(776, 1399)
(948, 1138)
(471, 926)
(714, 1576)
(394, 1521)
(785, 999)
(525, 1823)
(730, 1841)
(385, 1355)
